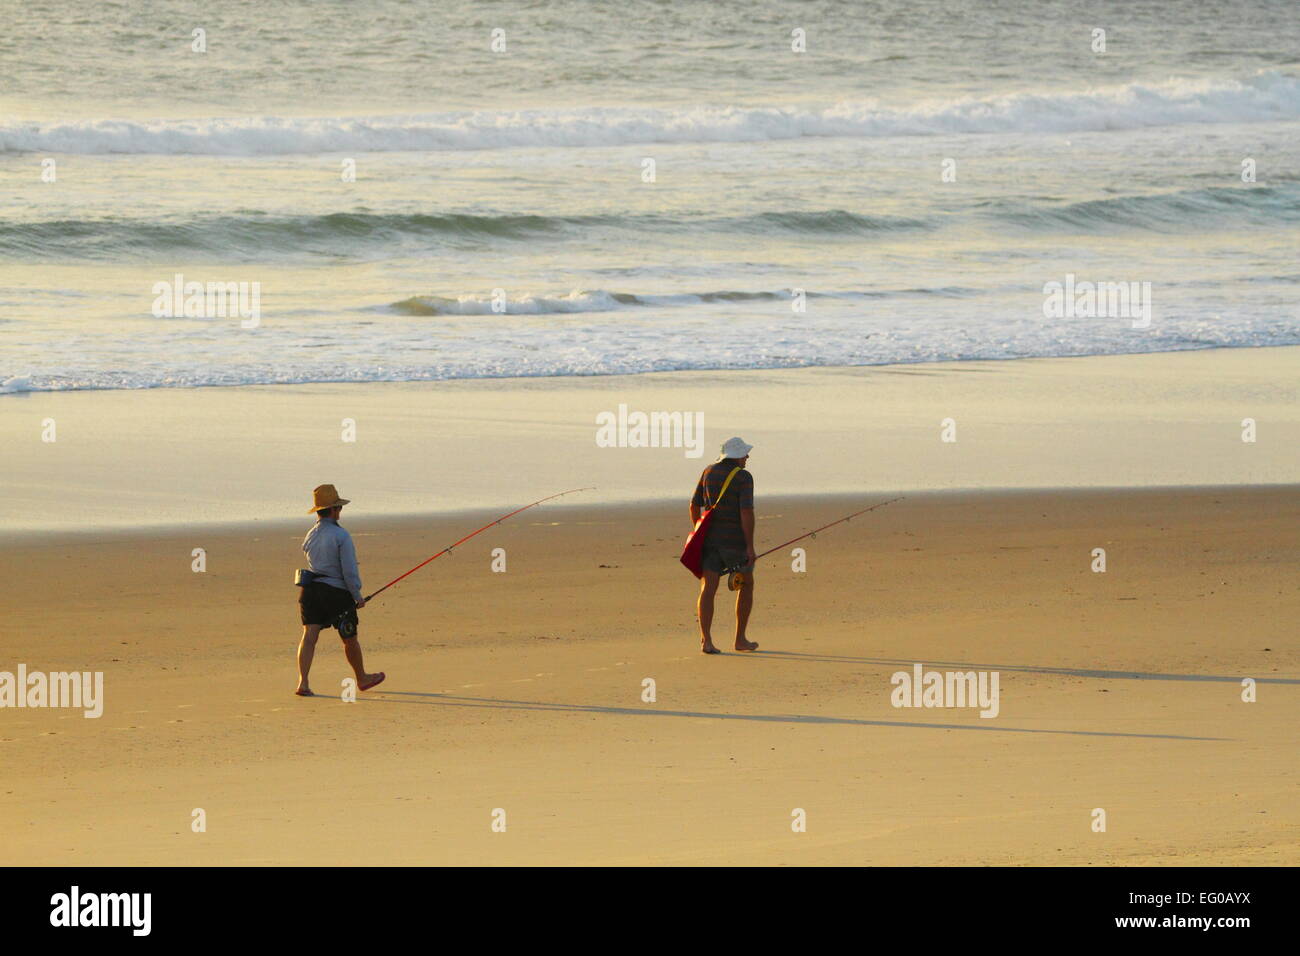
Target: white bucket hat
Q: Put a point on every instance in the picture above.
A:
(735, 448)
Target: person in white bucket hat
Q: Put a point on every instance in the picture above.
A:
(734, 448)
(730, 541)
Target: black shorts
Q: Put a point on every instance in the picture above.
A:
(322, 604)
(718, 560)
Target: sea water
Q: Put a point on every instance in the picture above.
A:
(451, 190)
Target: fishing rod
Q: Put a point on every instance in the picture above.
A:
(457, 544)
(737, 576)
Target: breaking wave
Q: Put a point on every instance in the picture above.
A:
(1266, 96)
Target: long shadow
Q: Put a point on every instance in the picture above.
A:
(1065, 671)
(452, 700)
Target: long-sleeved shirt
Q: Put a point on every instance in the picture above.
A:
(332, 557)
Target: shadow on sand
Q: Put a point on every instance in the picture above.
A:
(965, 666)
(453, 700)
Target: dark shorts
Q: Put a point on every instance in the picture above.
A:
(322, 604)
(718, 560)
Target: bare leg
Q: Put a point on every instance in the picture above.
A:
(744, 604)
(352, 649)
(704, 609)
(306, 651)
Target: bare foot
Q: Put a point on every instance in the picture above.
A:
(709, 649)
(744, 645)
(304, 692)
(372, 680)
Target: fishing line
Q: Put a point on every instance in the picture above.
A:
(736, 576)
(447, 550)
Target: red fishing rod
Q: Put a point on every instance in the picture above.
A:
(737, 576)
(457, 544)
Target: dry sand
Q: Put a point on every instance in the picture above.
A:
(522, 691)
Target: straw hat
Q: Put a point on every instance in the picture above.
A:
(326, 496)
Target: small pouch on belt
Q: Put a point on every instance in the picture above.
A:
(303, 577)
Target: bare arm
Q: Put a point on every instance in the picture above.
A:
(695, 514)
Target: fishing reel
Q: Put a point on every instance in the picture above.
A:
(343, 624)
(736, 577)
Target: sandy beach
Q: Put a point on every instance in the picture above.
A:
(523, 691)
(159, 458)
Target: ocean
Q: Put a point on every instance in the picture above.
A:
(636, 187)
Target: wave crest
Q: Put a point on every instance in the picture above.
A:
(1267, 95)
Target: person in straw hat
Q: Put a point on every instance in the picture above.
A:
(730, 541)
(333, 594)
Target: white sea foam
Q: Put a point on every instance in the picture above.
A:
(579, 300)
(14, 385)
(1266, 96)
(460, 347)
